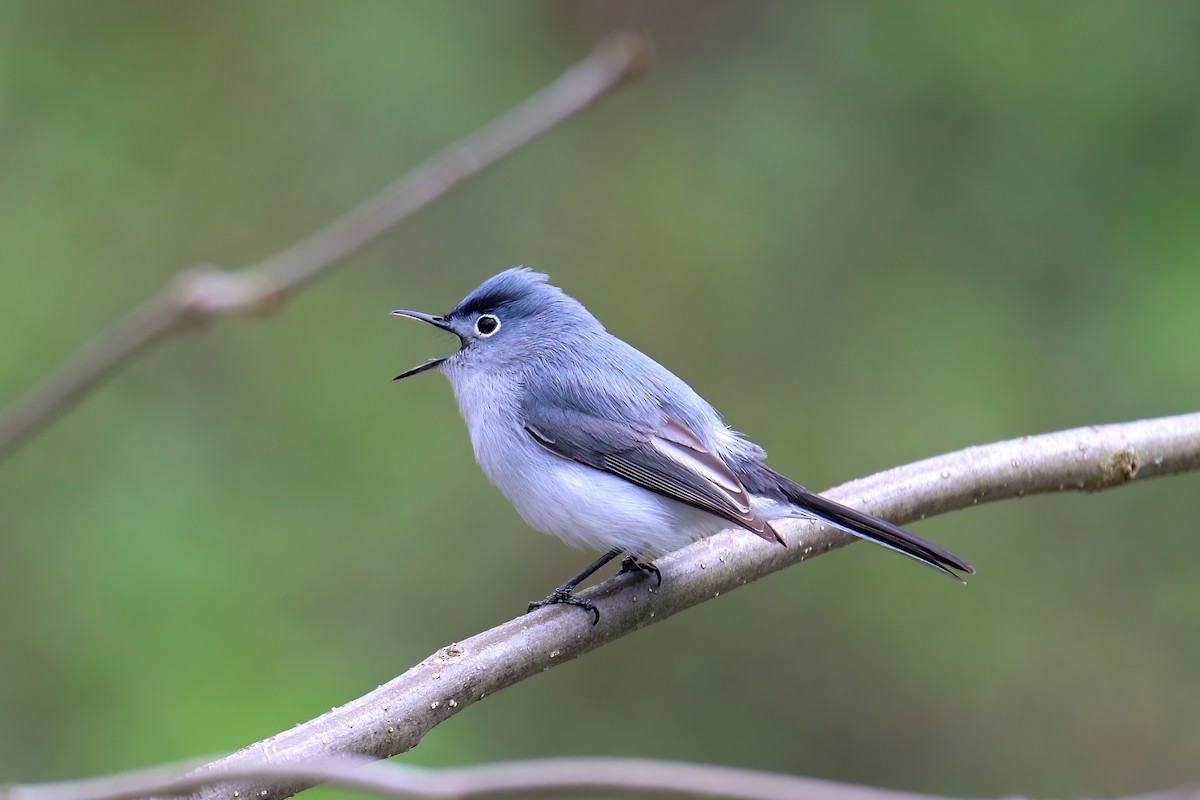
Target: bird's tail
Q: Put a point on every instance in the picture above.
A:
(877, 530)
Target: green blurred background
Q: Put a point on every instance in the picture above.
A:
(868, 232)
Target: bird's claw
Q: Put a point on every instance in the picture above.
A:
(631, 564)
(562, 597)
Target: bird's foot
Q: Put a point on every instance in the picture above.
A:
(631, 564)
(562, 596)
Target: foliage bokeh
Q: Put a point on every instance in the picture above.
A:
(868, 232)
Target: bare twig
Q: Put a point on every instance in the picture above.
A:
(394, 717)
(206, 292)
(537, 776)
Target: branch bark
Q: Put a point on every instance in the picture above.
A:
(503, 779)
(523, 778)
(207, 292)
(397, 715)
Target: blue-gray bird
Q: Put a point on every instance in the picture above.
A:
(600, 445)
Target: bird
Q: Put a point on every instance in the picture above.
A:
(596, 443)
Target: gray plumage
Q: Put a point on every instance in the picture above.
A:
(596, 443)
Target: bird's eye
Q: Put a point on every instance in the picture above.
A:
(487, 324)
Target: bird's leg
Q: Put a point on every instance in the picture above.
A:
(563, 593)
(631, 564)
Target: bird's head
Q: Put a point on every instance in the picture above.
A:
(509, 318)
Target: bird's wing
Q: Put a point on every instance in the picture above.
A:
(664, 456)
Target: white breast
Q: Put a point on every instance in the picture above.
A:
(584, 507)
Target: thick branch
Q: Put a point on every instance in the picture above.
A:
(395, 717)
(206, 292)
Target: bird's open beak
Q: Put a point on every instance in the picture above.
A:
(436, 321)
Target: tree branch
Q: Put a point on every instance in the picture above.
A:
(206, 292)
(536, 776)
(397, 715)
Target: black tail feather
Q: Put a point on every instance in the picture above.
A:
(863, 525)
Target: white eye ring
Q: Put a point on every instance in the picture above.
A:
(487, 325)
